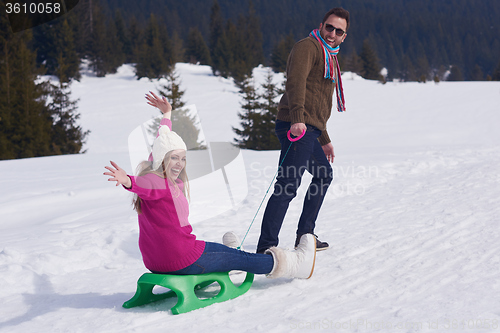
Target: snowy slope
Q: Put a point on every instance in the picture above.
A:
(412, 218)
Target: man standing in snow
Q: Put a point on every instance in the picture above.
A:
(313, 75)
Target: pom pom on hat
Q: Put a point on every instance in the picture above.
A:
(164, 143)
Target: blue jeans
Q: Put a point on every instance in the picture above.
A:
(305, 154)
(220, 258)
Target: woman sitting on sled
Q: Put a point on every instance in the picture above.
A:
(166, 240)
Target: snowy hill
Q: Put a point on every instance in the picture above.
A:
(412, 217)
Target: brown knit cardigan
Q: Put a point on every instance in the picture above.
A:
(308, 95)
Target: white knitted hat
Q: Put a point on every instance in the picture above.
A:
(164, 143)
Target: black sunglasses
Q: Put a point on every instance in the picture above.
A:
(338, 32)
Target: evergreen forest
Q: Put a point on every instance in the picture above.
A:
(411, 38)
(414, 40)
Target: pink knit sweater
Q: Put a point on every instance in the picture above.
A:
(165, 235)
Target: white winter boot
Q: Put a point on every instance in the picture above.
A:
(298, 263)
(230, 239)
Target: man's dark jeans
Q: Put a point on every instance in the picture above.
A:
(305, 154)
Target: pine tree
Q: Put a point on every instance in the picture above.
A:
(154, 57)
(82, 22)
(98, 43)
(251, 33)
(279, 56)
(441, 73)
(353, 63)
(54, 41)
(116, 54)
(106, 50)
(68, 60)
(477, 74)
(66, 136)
(269, 112)
(249, 117)
(231, 57)
(24, 118)
(408, 72)
(197, 50)
(178, 50)
(183, 123)
(172, 91)
(496, 73)
(393, 66)
(136, 36)
(244, 56)
(223, 57)
(455, 74)
(123, 37)
(7, 54)
(258, 115)
(29, 126)
(216, 35)
(369, 59)
(234, 63)
(423, 69)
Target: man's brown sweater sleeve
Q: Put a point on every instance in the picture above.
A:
(299, 65)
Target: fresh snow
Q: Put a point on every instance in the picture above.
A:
(412, 217)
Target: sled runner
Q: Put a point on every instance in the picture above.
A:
(184, 286)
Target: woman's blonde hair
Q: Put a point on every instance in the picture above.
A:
(146, 167)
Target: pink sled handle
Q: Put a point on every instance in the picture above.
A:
(297, 138)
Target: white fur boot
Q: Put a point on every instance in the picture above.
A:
(298, 263)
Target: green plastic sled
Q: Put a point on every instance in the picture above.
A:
(183, 286)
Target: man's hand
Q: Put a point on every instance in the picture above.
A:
(298, 128)
(328, 149)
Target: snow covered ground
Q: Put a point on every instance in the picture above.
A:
(412, 217)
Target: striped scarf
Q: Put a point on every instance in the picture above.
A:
(330, 56)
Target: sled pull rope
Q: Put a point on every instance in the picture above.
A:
(292, 140)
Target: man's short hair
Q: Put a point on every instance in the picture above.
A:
(340, 12)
